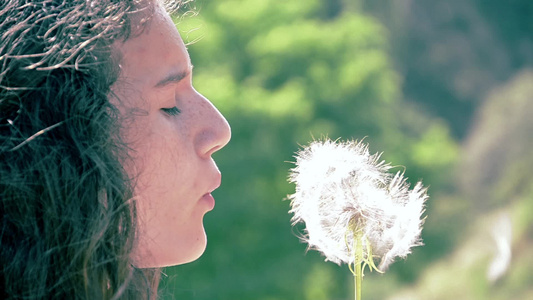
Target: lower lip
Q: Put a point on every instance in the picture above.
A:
(208, 198)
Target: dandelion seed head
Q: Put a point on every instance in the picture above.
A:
(343, 190)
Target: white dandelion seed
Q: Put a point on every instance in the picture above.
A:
(353, 209)
(502, 233)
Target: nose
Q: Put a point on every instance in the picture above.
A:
(215, 133)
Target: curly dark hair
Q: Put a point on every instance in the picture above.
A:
(67, 220)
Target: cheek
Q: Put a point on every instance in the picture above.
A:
(155, 157)
(170, 224)
(161, 164)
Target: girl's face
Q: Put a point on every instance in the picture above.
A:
(172, 131)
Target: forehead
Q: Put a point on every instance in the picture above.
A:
(157, 51)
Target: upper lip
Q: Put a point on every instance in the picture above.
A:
(216, 182)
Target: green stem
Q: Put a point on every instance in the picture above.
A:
(358, 267)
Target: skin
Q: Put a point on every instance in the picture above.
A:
(170, 155)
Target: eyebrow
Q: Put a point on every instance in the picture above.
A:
(174, 77)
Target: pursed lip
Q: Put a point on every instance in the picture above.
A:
(207, 197)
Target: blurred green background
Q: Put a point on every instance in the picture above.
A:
(442, 87)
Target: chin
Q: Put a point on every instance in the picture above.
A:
(193, 254)
(171, 255)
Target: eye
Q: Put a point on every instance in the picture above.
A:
(173, 111)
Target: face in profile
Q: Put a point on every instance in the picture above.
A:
(172, 131)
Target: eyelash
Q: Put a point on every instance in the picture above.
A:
(173, 111)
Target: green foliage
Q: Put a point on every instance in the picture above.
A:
(495, 179)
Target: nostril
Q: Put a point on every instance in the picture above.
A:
(213, 150)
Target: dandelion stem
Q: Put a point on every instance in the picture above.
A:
(358, 276)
